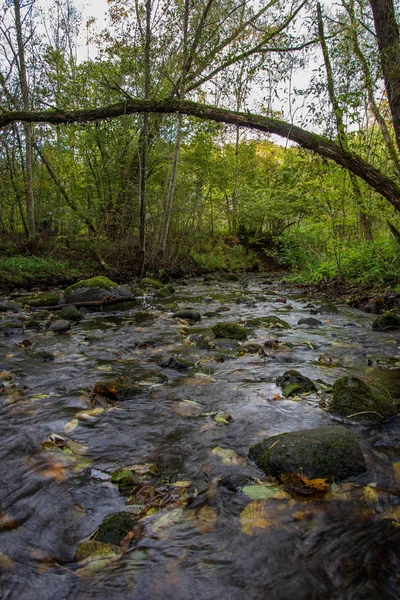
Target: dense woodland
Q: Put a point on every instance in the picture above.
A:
(150, 148)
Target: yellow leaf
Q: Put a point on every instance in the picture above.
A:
(54, 471)
(206, 519)
(370, 495)
(396, 469)
(9, 355)
(255, 517)
(228, 457)
(86, 415)
(304, 485)
(71, 425)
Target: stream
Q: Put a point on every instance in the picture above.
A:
(196, 425)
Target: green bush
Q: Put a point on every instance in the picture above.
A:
(24, 269)
(221, 256)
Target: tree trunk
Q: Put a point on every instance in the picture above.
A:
(23, 77)
(387, 33)
(380, 182)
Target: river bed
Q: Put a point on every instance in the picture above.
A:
(344, 544)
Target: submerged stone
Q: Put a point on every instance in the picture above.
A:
(389, 321)
(187, 313)
(328, 309)
(310, 321)
(175, 362)
(147, 282)
(42, 355)
(293, 382)
(352, 395)
(272, 321)
(231, 331)
(330, 453)
(115, 527)
(70, 313)
(118, 389)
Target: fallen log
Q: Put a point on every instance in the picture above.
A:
(105, 302)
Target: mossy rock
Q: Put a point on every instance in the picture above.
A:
(352, 395)
(330, 453)
(389, 321)
(187, 313)
(231, 331)
(175, 362)
(95, 289)
(123, 478)
(118, 389)
(208, 278)
(272, 321)
(33, 324)
(70, 313)
(45, 299)
(229, 277)
(123, 305)
(148, 283)
(115, 527)
(328, 309)
(310, 321)
(292, 382)
(42, 355)
(164, 291)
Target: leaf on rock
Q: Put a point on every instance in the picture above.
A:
(299, 484)
(255, 517)
(264, 492)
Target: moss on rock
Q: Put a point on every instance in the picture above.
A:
(389, 321)
(272, 321)
(117, 389)
(352, 395)
(229, 277)
(330, 453)
(115, 527)
(44, 299)
(231, 331)
(70, 313)
(147, 282)
(293, 382)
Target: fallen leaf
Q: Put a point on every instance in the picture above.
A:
(126, 541)
(55, 471)
(87, 415)
(71, 425)
(255, 517)
(263, 492)
(6, 562)
(228, 456)
(299, 484)
(396, 469)
(206, 519)
(370, 495)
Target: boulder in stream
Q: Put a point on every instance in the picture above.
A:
(231, 331)
(60, 325)
(389, 321)
(310, 321)
(331, 453)
(70, 313)
(98, 289)
(272, 322)
(292, 382)
(43, 299)
(366, 400)
(228, 277)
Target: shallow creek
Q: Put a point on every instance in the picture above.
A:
(338, 545)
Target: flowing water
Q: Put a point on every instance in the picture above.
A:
(344, 544)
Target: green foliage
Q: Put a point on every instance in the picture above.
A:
(220, 256)
(27, 269)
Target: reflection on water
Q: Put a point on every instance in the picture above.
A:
(344, 544)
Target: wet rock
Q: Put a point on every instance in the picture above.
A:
(141, 318)
(118, 306)
(229, 330)
(45, 299)
(251, 348)
(187, 313)
(115, 527)
(33, 324)
(389, 321)
(330, 453)
(70, 313)
(272, 322)
(205, 343)
(164, 291)
(175, 362)
(10, 307)
(328, 309)
(150, 284)
(226, 344)
(310, 321)
(352, 395)
(208, 278)
(95, 289)
(60, 325)
(229, 277)
(292, 382)
(10, 326)
(118, 389)
(42, 355)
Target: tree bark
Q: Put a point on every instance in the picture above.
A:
(387, 33)
(23, 77)
(381, 183)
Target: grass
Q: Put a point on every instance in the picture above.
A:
(22, 270)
